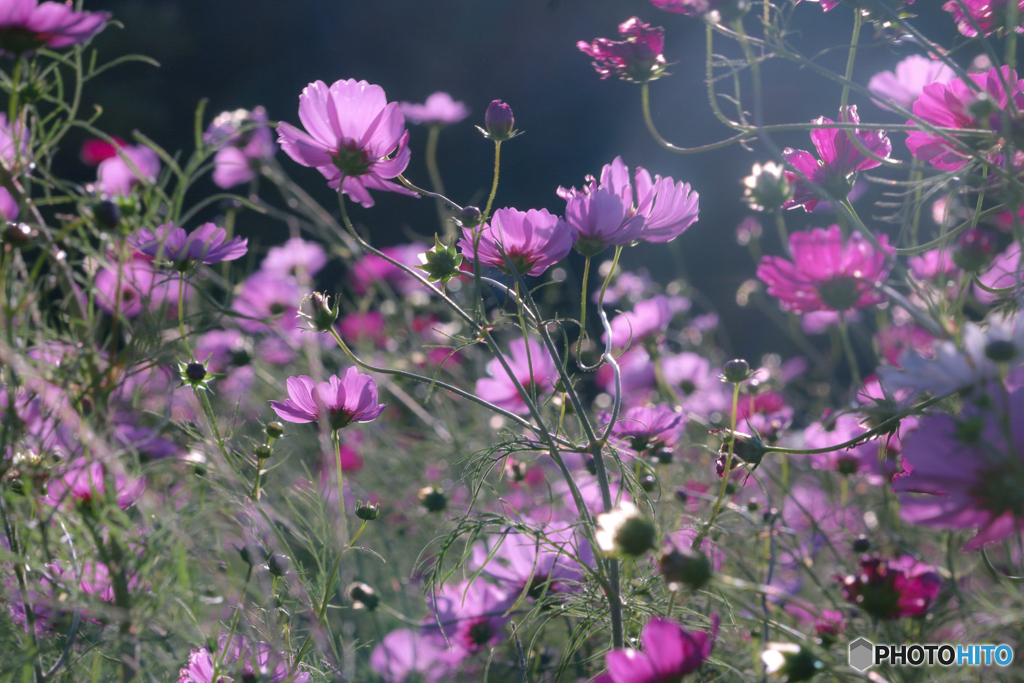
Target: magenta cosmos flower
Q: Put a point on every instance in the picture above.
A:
(26, 25)
(667, 207)
(353, 398)
(532, 240)
(948, 105)
(245, 142)
(649, 428)
(905, 84)
(637, 57)
(82, 482)
(405, 656)
(670, 653)
(839, 158)
(535, 371)
(295, 257)
(206, 244)
(892, 589)
(713, 10)
(13, 144)
(827, 273)
(971, 471)
(469, 615)
(987, 15)
(439, 109)
(647, 322)
(239, 657)
(352, 131)
(114, 175)
(372, 268)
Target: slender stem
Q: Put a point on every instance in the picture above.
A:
(851, 357)
(433, 133)
(30, 613)
(583, 301)
(219, 659)
(780, 224)
(336, 443)
(851, 58)
(494, 184)
(727, 472)
(181, 316)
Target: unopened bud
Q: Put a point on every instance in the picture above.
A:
(433, 499)
(362, 596)
(684, 567)
(275, 430)
(367, 511)
(499, 121)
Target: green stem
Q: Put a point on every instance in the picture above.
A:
(218, 660)
(583, 301)
(851, 58)
(851, 357)
(181, 316)
(727, 472)
(494, 184)
(434, 173)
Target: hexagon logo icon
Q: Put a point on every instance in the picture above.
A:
(862, 654)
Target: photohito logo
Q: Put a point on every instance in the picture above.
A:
(864, 654)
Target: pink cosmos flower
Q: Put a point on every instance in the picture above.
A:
(948, 105)
(534, 370)
(204, 245)
(371, 268)
(892, 589)
(527, 564)
(439, 109)
(405, 656)
(352, 131)
(839, 159)
(268, 301)
(1002, 274)
(363, 326)
(649, 428)
(697, 384)
(13, 144)
(713, 10)
(647, 322)
(826, 5)
(905, 84)
(295, 257)
(8, 206)
(637, 57)
(936, 264)
(670, 653)
(353, 398)
(600, 219)
(896, 340)
(241, 151)
(971, 470)
(27, 25)
(989, 15)
(134, 286)
(827, 273)
(114, 176)
(239, 657)
(469, 615)
(83, 481)
(532, 240)
(95, 150)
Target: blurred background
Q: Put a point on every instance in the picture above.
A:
(243, 53)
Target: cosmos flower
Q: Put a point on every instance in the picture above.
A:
(646, 323)
(206, 244)
(649, 428)
(439, 109)
(906, 82)
(470, 615)
(532, 240)
(670, 653)
(245, 141)
(372, 268)
(970, 469)
(839, 158)
(242, 658)
(637, 57)
(988, 15)
(27, 25)
(82, 482)
(949, 105)
(114, 175)
(600, 219)
(534, 369)
(405, 656)
(352, 131)
(891, 589)
(294, 257)
(353, 398)
(532, 565)
(1001, 274)
(13, 144)
(827, 272)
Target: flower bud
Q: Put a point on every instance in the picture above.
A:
(252, 554)
(790, 662)
(664, 455)
(18, 234)
(684, 567)
(278, 564)
(362, 596)
(275, 430)
(767, 188)
(195, 372)
(625, 531)
(263, 451)
(441, 262)
(861, 544)
(747, 450)
(973, 250)
(470, 217)
(515, 469)
(982, 107)
(736, 371)
(108, 214)
(1001, 351)
(367, 511)
(433, 499)
(499, 121)
(316, 310)
(648, 483)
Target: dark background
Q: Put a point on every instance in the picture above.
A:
(243, 53)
